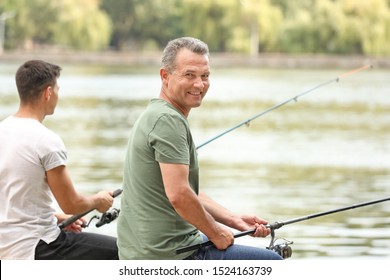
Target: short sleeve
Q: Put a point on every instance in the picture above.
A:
(51, 150)
(169, 139)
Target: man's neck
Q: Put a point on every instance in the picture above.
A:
(167, 99)
(28, 112)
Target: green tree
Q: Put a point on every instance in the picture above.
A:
(314, 30)
(122, 14)
(157, 22)
(210, 21)
(291, 8)
(82, 26)
(61, 22)
(255, 26)
(29, 26)
(305, 26)
(339, 26)
(143, 24)
(370, 21)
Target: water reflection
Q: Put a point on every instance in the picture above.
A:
(328, 150)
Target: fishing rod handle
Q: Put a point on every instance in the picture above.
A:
(208, 243)
(117, 192)
(193, 247)
(74, 218)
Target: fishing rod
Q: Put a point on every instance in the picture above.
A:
(295, 98)
(284, 248)
(109, 214)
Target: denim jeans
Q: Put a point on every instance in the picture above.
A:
(234, 252)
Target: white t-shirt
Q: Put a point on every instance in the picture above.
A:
(27, 150)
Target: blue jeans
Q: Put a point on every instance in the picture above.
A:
(234, 252)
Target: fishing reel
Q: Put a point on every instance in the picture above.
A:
(106, 218)
(282, 249)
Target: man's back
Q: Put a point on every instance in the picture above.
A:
(161, 134)
(26, 149)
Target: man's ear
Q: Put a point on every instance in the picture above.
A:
(47, 93)
(164, 75)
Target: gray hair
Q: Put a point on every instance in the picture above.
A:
(170, 52)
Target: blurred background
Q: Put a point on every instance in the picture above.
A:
(242, 26)
(329, 149)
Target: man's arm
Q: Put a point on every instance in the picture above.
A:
(69, 200)
(188, 206)
(230, 219)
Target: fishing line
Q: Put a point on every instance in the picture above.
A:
(295, 98)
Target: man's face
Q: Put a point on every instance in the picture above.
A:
(186, 86)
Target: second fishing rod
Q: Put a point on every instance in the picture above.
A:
(294, 98)
(277, 225)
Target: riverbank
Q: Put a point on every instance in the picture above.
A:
(269, 60)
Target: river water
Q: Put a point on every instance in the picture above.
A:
(326, 150)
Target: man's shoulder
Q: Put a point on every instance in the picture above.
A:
(160, 106)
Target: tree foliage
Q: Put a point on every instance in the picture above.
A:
(122, 14)
(60, 22)
(343, 26)
(81, 26)
(251, 26)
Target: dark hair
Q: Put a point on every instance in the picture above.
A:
(33, 77)
(168, 60)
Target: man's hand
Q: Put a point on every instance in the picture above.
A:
(248, 222)
(104, 201)
(76, 226)
(223, 239)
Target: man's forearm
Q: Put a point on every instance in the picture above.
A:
(219, 213)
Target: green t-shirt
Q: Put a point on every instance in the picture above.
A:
(148, 225)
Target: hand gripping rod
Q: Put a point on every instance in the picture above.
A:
(74, 218)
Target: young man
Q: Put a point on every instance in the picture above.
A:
(162, 208)
(33, 173)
